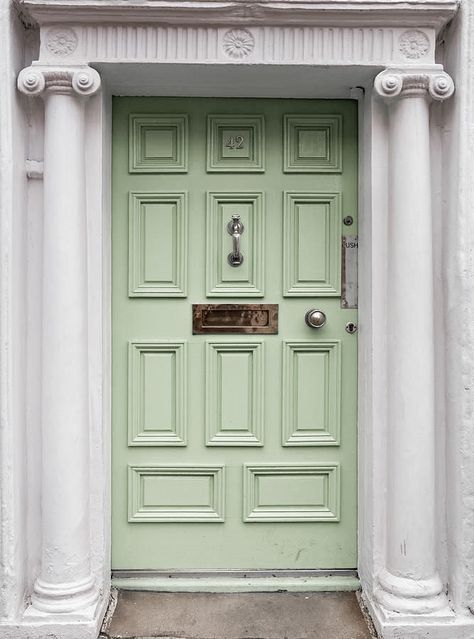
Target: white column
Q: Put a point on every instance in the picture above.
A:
(410, 582)
(66, 583)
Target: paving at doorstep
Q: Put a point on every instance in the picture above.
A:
(143, 615)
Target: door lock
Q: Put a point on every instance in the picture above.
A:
(315, 318)
(351, 327)
(235, 228)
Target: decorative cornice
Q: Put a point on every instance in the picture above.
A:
(404, 83)
(304, 45)
(356, 13)
(37, 80)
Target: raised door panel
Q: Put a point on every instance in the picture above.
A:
(313, 143)
(234, 385)
(291, 492)
(158, 244)
(157, 395)
(158, 143)
(311, 393)
(224, 280)
(182, 493)
(312, 245)
(235, 143)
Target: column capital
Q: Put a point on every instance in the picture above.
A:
(404, 83)
(39, 80)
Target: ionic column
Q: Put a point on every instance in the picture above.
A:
(410, 582)
(65, 583)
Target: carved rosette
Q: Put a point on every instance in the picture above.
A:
(414, 44)
(437, 85)
(238, 43)
(36, 80)
(61, 42)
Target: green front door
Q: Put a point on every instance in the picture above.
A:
(233, 450)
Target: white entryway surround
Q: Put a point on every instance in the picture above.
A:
(416, 531)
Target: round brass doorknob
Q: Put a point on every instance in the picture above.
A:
(315, 318)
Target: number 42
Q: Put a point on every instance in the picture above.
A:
(235, 142)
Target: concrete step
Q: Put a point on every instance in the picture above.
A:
(285, 615)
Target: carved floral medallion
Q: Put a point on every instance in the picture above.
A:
(238, 43)
(414, 44)
(61, 41)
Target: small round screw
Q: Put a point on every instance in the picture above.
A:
(348, 220)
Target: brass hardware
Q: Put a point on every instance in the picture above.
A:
(235, 318)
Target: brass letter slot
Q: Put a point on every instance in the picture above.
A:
(235, 318)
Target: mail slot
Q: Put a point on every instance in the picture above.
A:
(235, 318)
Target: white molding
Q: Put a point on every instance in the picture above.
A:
(359, 13)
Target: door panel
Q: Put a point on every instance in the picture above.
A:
(232, 450)
(224, 280)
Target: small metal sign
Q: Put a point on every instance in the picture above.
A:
(349, 295)
(235, 318)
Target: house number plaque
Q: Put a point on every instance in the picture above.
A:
(235, 318)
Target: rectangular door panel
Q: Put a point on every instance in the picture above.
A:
(311, 393)
(157, 394)
(158, 143)
(312, 244)
(158, 244)
(234, 401)
(291, 492)
(176, 494)
(225, 280)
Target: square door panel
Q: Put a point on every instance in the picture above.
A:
(234, 393)
(158, 143)
(158, 244)
(224, 280)
(311, 393)
(235, 143)
(157, 394)
(181, 493)
(312, 244)
(312, 144)
(298, 492)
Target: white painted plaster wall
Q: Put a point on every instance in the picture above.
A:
(13, 258)
(458, 282)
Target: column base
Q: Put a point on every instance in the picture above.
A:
(443, 624)
(64, 597)
(402, 595)
(81, 624)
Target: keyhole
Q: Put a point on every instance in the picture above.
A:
(351, 327)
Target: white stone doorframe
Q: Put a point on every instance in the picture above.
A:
(389, 51)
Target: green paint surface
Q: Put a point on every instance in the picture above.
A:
(232, 451)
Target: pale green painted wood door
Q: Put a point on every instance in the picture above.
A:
(232, 450)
